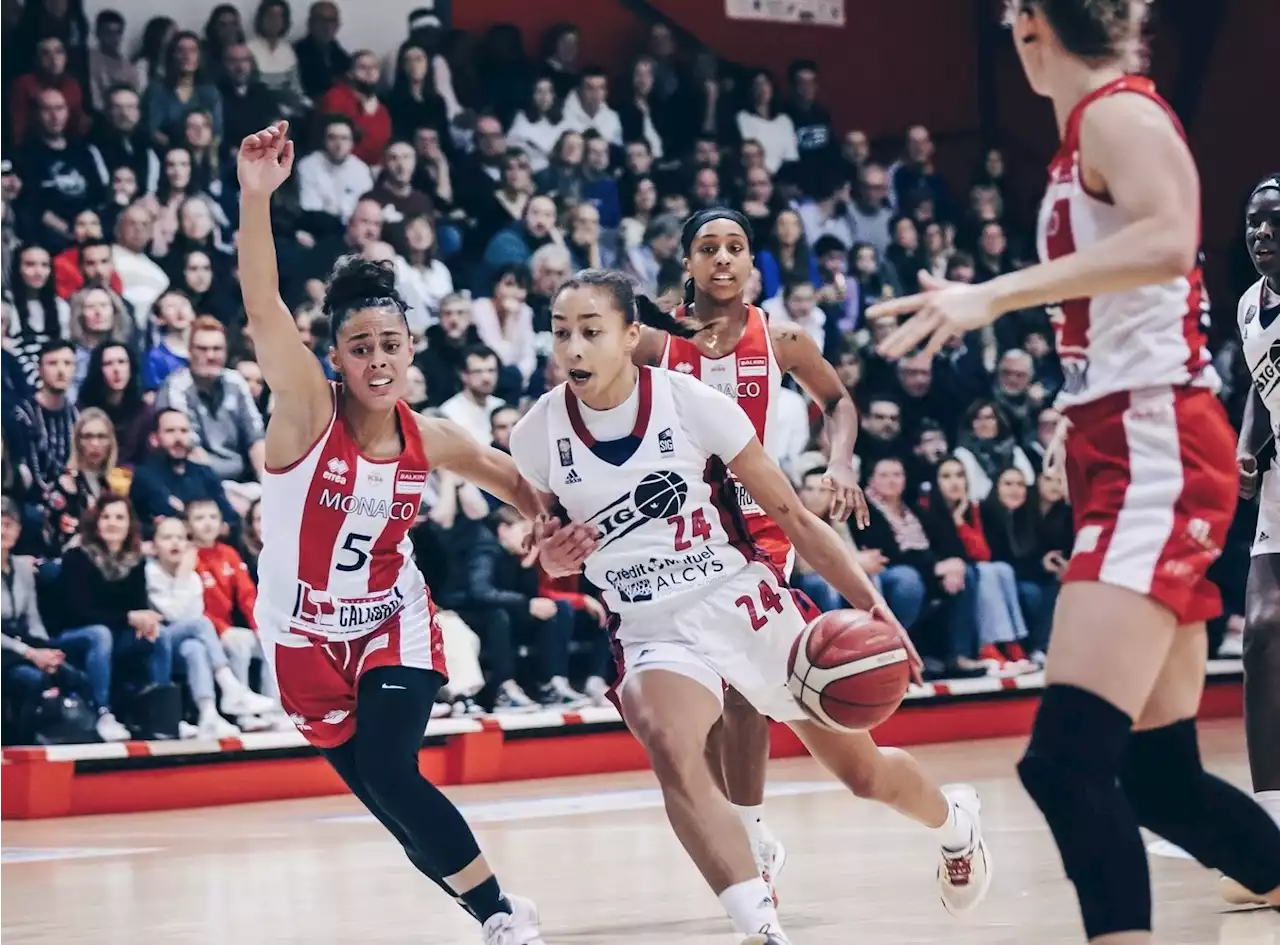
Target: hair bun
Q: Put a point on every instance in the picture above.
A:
(356, 280)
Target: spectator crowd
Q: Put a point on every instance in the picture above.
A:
(134, 411)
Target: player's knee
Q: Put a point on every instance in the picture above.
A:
(1077, 748)
(673, 751)
(869, 782)
(1162, 774)
(1261, 629)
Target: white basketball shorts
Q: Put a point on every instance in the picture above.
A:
(1267, 539)
(740, 633)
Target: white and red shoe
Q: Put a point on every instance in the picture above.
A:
(964, 873)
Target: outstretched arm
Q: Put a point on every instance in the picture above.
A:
(815, 541)
(799, 356)
(1131, 151)
(303, 400)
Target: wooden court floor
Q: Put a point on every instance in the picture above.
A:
(596, 854)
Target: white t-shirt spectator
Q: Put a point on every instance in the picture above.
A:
(514, 343)
(142, 280)
(335, 189)
(424, 289)
(793, 428)
(475, 418)
(817, 224)
(536, 138)
(605, 120)
(777, 135)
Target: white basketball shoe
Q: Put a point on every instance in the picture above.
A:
(766, 938)
(517, 927)
(964, 871)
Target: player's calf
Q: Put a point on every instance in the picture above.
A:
(1070, 768)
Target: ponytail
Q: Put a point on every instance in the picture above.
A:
(648, 313)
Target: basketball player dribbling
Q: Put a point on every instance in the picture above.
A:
(1258, 317)
(1149, 462)
(346, 622)
(716, 337)
(646, 456)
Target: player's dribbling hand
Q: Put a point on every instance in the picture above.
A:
(847, 498)
(265, 160)
(1247, 470)
(914, 662)
(942, 311)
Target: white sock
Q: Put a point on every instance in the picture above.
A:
(749, 906)
(1270, 802)
(957, 832)
(207, 710)
(752, 817)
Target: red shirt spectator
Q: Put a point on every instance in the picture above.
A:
(229, 592)
(68, 277)
(51, 73)
(356, 96)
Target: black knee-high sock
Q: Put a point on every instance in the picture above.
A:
(393, 706)
(343, 760)
(1173, 795)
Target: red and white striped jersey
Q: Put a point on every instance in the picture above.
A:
(750, 375)
(1121, 341)
(337, 562)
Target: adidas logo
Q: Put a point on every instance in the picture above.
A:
(1263, 536)
(572, 478)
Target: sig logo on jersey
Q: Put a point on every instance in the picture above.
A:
(1266, 373)
(658, 495)
(566, 451)
(666, 443)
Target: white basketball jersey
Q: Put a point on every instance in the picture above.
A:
(1258, 317)
(667, 511)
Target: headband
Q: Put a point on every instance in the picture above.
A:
(703, 217)
(1271, 182)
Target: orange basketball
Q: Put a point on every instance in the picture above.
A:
(849, 670)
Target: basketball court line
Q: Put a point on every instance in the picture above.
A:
(601, 802)
(45, 854)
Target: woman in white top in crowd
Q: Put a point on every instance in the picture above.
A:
(427, 278)
(274, 56)
(505, 321)
(177, 593)
(761, 121)
(539, 125)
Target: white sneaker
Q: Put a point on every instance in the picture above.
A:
(1232, 646)
(215, 726)
(187, 730)
(253, 723)
(110, 729)
(1236, 894)
(766, 938)
(964, 875)
(246, 702)
(597, 690)
(770, 857)
(517, 927)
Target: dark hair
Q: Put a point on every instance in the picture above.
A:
(108, 18)
(149, 47)
(261, 15)
(789, 289)
(90, 243)
(171, 59)
(357, 283)
(514, 270)
(555, 114)
(93, 392)
(800, 65)
(1096, 30)
(333, 118)
(54, 345)
(400, 84)
(690, 232)
(634, 308)
(89, 523)
(162, 413)
(483, 352)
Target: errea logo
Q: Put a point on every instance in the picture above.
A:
(336, 471)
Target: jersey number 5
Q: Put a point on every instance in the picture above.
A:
(769, 600)
(352, 545)
(697, 526)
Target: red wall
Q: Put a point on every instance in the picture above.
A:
(915, 61)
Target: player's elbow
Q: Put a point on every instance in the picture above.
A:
(1175, 251)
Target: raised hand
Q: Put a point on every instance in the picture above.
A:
(265, 160)
(942, 311)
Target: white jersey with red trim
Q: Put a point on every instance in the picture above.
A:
(337, 561)
(670, 527)
(751, 377)
(1119, 341)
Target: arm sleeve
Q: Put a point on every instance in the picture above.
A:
(529, 446)
(715, 424)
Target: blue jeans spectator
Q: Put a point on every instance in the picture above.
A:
(1038, 600)
(90, 648)
(199, 649)
(157, 654)
(1000, 618)
(826, 597)
(904, 591)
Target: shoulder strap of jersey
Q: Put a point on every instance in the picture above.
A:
(415, 453)
(681, 354)
(1136, 84)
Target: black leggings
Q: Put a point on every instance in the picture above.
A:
(380, 765)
